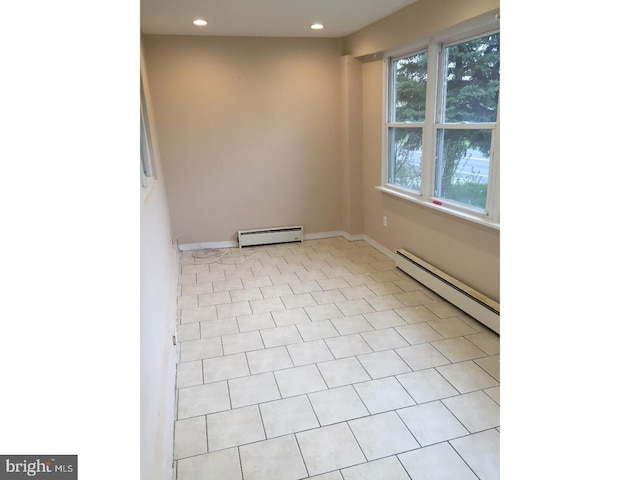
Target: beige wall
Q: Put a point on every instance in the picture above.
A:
(158, 293)
(249, 130)
(351, 152)
(414, 24)
(465, 250)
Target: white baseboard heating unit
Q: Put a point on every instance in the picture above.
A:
(267, 236)
(472, 302)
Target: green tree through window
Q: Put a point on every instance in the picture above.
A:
(462, 115)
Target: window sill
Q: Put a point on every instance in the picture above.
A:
(440, 208)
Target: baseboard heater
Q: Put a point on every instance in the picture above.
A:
(472, 302)
(268, 236)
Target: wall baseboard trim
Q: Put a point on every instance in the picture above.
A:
(207, 245)
(307, 236)
(320, 235)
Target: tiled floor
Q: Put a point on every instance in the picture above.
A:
(321, 360)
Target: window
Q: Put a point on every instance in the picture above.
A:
(147, 171)
(442, 126)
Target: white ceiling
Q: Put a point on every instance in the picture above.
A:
(263, 18)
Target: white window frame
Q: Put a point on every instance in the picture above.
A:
(434, 48)
(147, 166)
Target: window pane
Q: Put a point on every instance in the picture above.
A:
(144, 149)
(405, 157)
(472, 80)
(410, 88)
(462, 166)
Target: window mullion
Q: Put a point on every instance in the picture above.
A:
(428, 136)
(493, 188)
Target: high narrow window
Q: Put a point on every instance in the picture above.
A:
(147, 173)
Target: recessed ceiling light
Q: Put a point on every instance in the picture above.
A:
(317, 26)
(199, 22)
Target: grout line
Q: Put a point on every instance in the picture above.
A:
(347, 253)
(295, 436)
(461, 457)
(264, 429)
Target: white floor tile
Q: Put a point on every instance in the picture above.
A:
(258, 321)
(383, 364)
(324, 350)
(217, 328)
(275, 337)
(467, 376)
(337, 405)
(481, 451)
(309, 352)
(199, 314)
(354, 293)
(416, 314)
(289, 415)
(384, 339)
(199, 349)
(323, 312)
(189, 374)
(489, 342)
(431, 423)
(190, 437)
(341, 372)
(491, 365)
(299, 380)
(388, 468)
(226, 464)
(242, 342)
(266, 305)
(224, 368)
(268, 360)
(328, 476)
(383, 395)
(451, 327)
(494, 393)
(188, 331)
(419, 357)
(458, 349)
(437, 462)
(412, 299)
(317, 330)
(203, 399)
(384, 302)
(386, 288)
(384, 319)
(329, 448)
(306, 286)
(278, 289)
(290, 317)
(234, 428)
(234, 309)
(426, 385)
(382, 435)
(418, 333)
(354, 307)
(328, 296)
(298, 301)
(352, 324)
(476, 411)
(348, 345)
(277, 458)
(252, 390)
